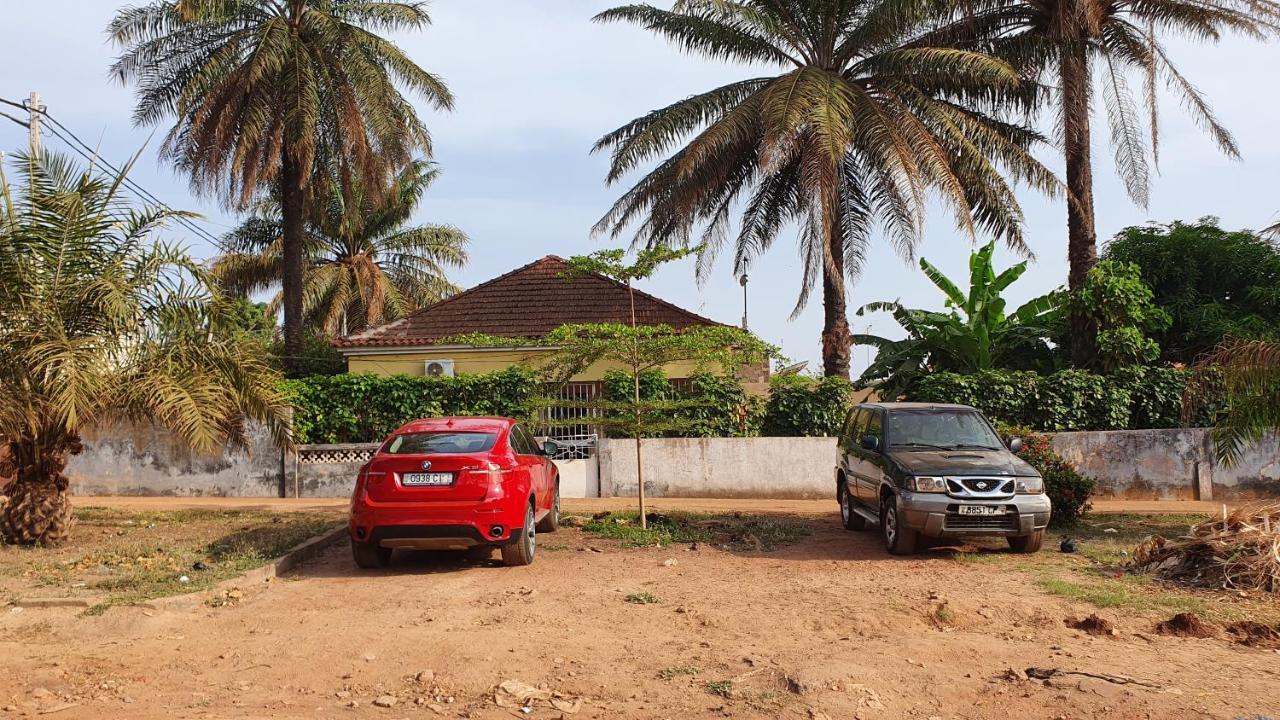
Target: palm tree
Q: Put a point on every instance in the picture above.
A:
(1070, 43)
(360, 269)
(857, 122)
(1244, 377)
(98, 322)
(270, 94)
(974, 334)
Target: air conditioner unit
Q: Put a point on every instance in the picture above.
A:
(438, 368)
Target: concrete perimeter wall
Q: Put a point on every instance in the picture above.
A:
(721, 467)
(121, 459)
(1171, 465)
(1140, 465)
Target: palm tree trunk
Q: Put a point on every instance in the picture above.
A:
(293, 210)
(38, 511)
(1082, 237)
(837, 340)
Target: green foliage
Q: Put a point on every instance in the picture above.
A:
(1242, 379)
(612, 263)
(1122, 309)
(1214, 283)
(706, 405)
(319, 357)
(736, 531)
(803, 407)
(1131, 398)
(1068, 490)
(975, 335)
(366, 408)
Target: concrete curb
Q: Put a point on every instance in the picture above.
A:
(283, 564)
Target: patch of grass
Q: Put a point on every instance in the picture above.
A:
(723, 688)
(554, 547)
(642, 598)
(1112, 548)
(675, 671)
(1131, 593)
(942, 616)
(733, 531)
(120, 557)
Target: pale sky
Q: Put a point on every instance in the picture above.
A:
(537, 83)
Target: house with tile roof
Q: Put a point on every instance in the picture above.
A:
(526, 303)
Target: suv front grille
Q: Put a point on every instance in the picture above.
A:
(985, 486)
(956, 521)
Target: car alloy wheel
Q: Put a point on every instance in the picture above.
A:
(890, 523)
(530, 532)
(845, 509)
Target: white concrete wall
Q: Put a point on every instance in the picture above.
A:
(721, 467)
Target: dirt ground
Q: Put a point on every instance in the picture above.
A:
(828, 627)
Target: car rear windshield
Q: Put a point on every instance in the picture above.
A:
(947, 429)
(440, 443)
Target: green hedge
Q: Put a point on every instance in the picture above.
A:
(720, 406)
(366, 408)
(804, 407)
(1130, 398)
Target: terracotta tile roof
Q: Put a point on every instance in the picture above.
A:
(528, 302)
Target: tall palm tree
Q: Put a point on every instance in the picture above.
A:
(361, 269)
(855, 123)
(270, 94)
(1081, 45)
(99, 321)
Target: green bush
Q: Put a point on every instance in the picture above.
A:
(1068, 490)
(804, 407)
(711, 405)
(1069, 400)
(366, 408)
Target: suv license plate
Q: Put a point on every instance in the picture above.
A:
(437, 478)
(981, 510)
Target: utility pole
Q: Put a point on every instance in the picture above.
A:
(34, 108)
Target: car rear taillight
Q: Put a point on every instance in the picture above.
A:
(492, 474)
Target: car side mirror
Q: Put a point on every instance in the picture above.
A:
(550, 448)
(1015, 444)
(870, 442)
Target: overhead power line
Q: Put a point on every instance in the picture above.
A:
(84, 150)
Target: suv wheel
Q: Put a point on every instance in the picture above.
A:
(521, 552)
(551, 522)
(369, 555)
(851, 520)
(1027, 543)
(898, 540)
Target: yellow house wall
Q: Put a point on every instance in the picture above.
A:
(475, 362)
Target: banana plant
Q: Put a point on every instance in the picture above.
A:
(972, 333)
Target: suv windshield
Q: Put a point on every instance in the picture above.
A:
(442, 443)
(940, 429)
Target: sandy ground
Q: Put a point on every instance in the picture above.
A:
(800, 507)
(830, 627)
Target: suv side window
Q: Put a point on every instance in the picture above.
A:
(849, 431)
(874, 426)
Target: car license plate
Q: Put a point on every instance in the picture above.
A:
(436, 478)
(981, 510)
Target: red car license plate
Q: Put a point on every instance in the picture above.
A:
(420, 479)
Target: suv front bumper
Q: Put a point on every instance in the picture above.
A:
(936, 515)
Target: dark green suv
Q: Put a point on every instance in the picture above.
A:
(938, 471)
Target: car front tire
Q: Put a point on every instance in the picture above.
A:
(1027, 543)
(370, 555)
(851, 520)
(521, 552)
(898, 540)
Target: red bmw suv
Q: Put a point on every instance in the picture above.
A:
(455, 483)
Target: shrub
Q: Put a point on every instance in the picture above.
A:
(354, 408)
(705, 405)
(1070, 400)
(803, 407)
(1068, 490)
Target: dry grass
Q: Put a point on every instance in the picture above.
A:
(1239, 552)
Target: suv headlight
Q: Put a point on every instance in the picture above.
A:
(1030, 485)
(928, 484)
